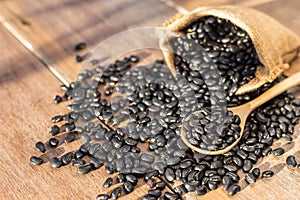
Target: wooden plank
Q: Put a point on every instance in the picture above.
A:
(286, 12)
(52, 28)
(23, 181)
(192, 4)
(26, 91)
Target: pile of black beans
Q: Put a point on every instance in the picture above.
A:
(129, 118)
(213, 52)
(212, 128)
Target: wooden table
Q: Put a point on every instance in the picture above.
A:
(37, 40)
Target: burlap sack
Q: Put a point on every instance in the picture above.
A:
(275, 44)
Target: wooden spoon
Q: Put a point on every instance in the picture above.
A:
(244, 110)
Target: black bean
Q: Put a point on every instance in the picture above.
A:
(278, 151)
(156, 192)
(80, 46)
(291, 161)
(53, 142)
(266, 151)
(131, 178)
(169, 175)
(57, 99)
(227, 182)
(161, 185)
(84, 169)
(116, 193)
(36, 160)
(102, 197)
(267, 174)
(40, 147)
(96, 163)
(233, 189)
(78, 161)
(128, 187)
(54, 130)
(171, 196)
(57, 118)
(247, 165)
(134, 58)
(70, 137)
(173, 160)
(79, 58)
(151, 174)
(66, 159)
(250, 178)
(55, 162)
(108, 182)
(256, 172)
(147, 158)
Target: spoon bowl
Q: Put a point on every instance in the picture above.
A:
(243, 111)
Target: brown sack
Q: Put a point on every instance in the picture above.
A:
(275, 44)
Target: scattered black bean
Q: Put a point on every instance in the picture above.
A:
(250, 178)
(55, 162)
(84, 169)
(256, 172)
(278, 151)
(53, 142)
(102, 197)
(54, 130)
(108, 182)
(80, 46)
(40, 146)
(291, 161)
(36, 160)
(267, 174)
(115, 194)
(233, 189)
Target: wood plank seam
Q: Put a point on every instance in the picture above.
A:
(34, 51)
(48, 63)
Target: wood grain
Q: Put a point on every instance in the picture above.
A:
(192, 4)
(54, 27)
(27, 88)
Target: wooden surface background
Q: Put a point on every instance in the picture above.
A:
(36, 56)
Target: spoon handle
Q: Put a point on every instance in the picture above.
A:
(279, 88)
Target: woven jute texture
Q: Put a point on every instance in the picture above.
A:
(276, 45)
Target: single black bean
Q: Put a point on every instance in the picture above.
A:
(116, 193)
(267, 174)
(247, 166)
(201, 190)
(147, 158)
(108, 182)
(233, 189)
(278, 151)
(256, 172)
(40, 147)
(80, 46)
(36, 160)
(66, 159)
(128, 187)
(250, 178)
(131, 178)
(291, 161)
(84, 169)
(102, 197)
(155, 192)
(55, 162)
(169, 175)
(54, 130)
(57, 99)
